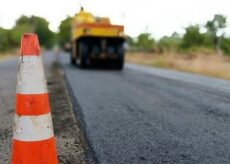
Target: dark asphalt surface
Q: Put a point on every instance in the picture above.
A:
(146, 115)
(8, 71)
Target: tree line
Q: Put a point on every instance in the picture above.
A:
(213, 39)
(193, 40)
(10, 38)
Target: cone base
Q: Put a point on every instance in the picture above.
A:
(36, 152)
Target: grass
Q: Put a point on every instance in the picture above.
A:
(210, 65)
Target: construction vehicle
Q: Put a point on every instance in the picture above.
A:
(95, 40)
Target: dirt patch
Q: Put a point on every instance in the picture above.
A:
(211, 65)
(70, 143)
(8, 55)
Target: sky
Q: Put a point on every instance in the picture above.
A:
(158, 17)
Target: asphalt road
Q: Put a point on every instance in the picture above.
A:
(146, 115)
(8, 71)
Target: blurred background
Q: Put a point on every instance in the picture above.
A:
(191, 36)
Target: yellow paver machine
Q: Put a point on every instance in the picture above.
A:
(96, 40)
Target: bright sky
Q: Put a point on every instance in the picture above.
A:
(159, 17)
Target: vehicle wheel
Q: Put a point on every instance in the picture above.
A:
(72, 54)
(120, 64)
(83, 52)
(120, 60)
(82, 62)
(72, 60)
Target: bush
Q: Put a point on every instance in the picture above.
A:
(169, 44)
(5, 39)
(225, 46)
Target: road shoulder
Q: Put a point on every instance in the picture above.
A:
(70, 143)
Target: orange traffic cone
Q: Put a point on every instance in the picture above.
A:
(33, 139)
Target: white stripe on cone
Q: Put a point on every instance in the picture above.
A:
(31, 78)
(33, 128)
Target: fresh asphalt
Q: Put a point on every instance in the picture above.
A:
(148, 115)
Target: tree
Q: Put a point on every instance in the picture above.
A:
(169, 43)
(145, 42)
(130, 43)
(11, 38)
(4, 39)
(34, 24)
(16, 33)
(64, 34)
(41, 27)
(225, 45)
(23, 20)
(214, 27)
(192, 37)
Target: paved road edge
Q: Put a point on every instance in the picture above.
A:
(77, 111)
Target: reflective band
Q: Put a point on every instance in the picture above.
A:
(32, 104)
(33, 128)
(31, 79)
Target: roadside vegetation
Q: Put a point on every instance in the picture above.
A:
(210, 65)
(208, 38)
(10, 38)
(201, 49)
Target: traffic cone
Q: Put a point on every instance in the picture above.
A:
(33, 137)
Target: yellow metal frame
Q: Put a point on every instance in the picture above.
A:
(85, 24)
(97, 32)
